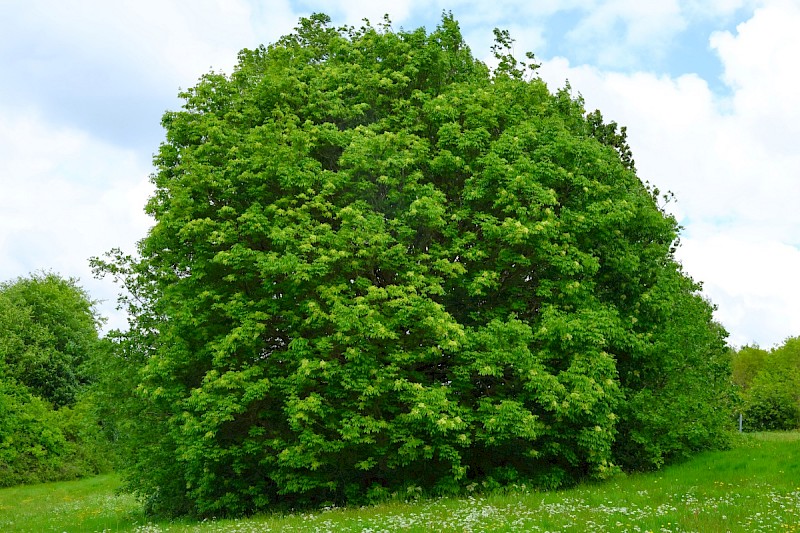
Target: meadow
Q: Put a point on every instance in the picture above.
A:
(753, 487)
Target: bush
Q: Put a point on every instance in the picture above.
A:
(39, 444)
(31, 445)
(772, 403)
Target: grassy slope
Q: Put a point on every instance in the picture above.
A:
(754, 487)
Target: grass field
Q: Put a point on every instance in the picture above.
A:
(753, 487)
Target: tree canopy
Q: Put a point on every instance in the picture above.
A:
(378, 266)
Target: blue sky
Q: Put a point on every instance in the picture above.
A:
(707, 89)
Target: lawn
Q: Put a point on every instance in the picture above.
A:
(753, 487)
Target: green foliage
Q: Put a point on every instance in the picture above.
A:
(49, 328)
(678, 386)
(746, 364)
(378, 267)
(38, 443)
(30, 444)
(770, 386)
(47, 335)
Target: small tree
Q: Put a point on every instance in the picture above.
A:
(747, 362)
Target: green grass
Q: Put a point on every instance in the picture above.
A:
(753, 487)
(86, 505)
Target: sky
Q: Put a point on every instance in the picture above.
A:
(708, 90)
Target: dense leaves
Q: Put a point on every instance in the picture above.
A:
(48, 335)
(378, 267)
(769, 385)
(49, 329)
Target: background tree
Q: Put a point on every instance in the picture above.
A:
(770, 386)
(746, 363)
(52, 333)
(378, 267)
(48, 333)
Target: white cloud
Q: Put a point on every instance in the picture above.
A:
(732, 162)
(761, 65)
(626, 28)
(66, 197)
(753, 282)
(618, 34)
(718, 9)
(160, 40)
(114, 67)
(353, 12)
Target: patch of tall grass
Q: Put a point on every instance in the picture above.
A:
(91, 504)
(751, 488)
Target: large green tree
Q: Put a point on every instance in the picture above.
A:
(379, 266)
